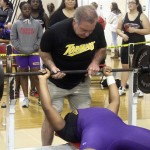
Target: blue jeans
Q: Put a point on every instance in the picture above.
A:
(114, 38)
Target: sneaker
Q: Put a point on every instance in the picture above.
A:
(16, 94)
(141, 94)
(122, 90)
(39, 102)
(36, 94)
(25, 103)
(32, 92)
(116, 55)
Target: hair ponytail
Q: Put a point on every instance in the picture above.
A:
(8, 3)
(139, 8)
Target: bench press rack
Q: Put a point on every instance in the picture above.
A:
(132, 110)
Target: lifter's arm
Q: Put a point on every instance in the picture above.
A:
(51, 114)
(114, 99)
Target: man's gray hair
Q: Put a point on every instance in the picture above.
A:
(85, 13)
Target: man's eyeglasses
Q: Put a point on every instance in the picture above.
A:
(131, 3)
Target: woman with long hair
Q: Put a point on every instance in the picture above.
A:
(132, 27)
(66, 10)
(51, 9)
(113, 22)
(38, 12)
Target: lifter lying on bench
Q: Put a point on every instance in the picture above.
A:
(95, 128)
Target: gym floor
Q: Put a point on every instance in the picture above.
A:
(28, 121)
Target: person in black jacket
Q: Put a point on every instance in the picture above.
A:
(6, 12)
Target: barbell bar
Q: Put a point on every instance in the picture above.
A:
(142, 70)
(23, 74)
(145, 69)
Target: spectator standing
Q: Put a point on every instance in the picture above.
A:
(38, 12)
(131, 27)
(113, 22)
(6, 12)
(66, 10)
(101, 19)
(25, 36)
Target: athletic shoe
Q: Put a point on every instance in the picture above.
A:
(122, 90)
(25, 103)
(36, 94)
(39, 102)
(16, 94)
(32, 92)
(141, 94)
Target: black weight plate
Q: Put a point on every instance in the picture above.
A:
(1, 80)
(144, 83)
(143, 59)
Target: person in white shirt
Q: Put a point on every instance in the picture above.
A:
(101, 18)
(113, 22)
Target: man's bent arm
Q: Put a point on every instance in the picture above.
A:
(99, 56)
(47, 59)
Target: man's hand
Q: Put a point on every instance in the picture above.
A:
(93, 69)
(107, 71)
(57, 74)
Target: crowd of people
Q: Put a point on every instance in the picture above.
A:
(73, 38)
